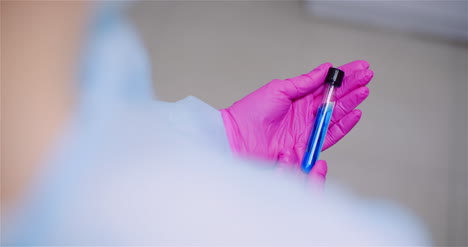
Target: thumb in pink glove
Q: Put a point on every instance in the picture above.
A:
(274, 122)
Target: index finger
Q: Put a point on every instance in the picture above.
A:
(354, 66)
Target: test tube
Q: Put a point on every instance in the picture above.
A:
(333, 80)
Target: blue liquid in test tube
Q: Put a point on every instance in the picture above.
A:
(322, 120)
(317, 137)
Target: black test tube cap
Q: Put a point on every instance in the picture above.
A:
(334, 77)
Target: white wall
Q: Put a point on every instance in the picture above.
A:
(410, 145)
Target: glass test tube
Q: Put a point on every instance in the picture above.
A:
(333, 80)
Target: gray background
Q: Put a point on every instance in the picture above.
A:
(411, 144)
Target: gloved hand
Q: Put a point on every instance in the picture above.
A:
(274, 122)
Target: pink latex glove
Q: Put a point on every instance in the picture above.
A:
(274, 122)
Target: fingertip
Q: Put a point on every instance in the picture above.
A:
(320, 168)
(364, 92)
(348, 122)
(362, 77)
(327, 65)
(364, 64)
(357, 113)
(323, 67)
(354, 66)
